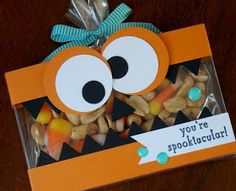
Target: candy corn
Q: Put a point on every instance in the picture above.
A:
(78, 146)
(45, 114)
(58, 132)
(124, 134)
(120, 124)
(156, 105)
(163, 85)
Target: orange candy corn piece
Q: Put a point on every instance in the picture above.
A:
(78, 146)
(59, 131)
(156, 105)
(45, 114)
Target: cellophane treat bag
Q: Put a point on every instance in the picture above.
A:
(118, 100)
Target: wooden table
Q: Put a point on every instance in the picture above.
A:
(25, 40)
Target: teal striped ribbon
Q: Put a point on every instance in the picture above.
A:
(72, 36)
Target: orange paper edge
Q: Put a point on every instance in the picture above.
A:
(110, 166)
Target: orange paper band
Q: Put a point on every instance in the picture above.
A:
(183, 45)
(110, 166)
(25, 84)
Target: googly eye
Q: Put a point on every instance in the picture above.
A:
(82, 82)
(138, 59)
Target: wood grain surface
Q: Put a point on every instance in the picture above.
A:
(25, 40)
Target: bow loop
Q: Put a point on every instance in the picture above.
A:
(82, 37)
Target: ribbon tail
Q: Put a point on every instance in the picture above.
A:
(109, 30)
(64, 33)
(120, 14)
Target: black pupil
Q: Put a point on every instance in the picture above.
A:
(93, 92)
(119, 67)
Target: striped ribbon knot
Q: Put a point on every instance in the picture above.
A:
(97, 33)
(72, 36)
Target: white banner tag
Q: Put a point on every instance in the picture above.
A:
(187, 137)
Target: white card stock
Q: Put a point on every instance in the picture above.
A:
(187, 137)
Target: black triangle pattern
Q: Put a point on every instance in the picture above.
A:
(52, 106)
(44, 159)
(158, 124)
(181, 118)
(67, 152)
(134, 130)
(113, 139)
(90, 146)
(205, 113)
(120, 109)
(34, 106)
(192, 66)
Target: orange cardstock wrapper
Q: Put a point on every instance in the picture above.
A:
(119, 163)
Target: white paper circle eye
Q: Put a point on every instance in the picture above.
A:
(133, 62)
(84, 83)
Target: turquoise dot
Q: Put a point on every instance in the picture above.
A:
(162, 158)
(194, 94)
(142, 151)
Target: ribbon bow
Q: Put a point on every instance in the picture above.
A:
(82, 37)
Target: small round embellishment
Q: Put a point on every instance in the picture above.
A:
(162, 158)
(142, 151)
(194, 94)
